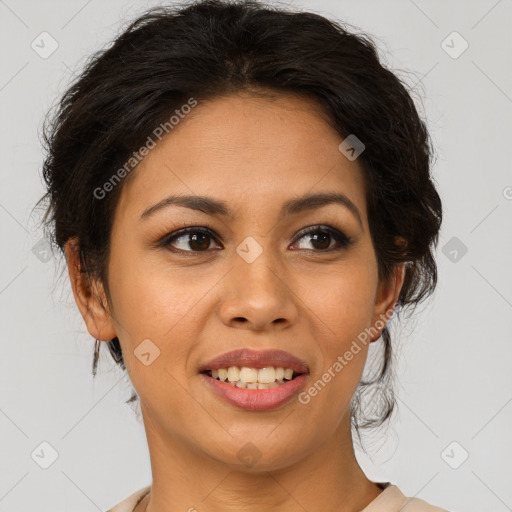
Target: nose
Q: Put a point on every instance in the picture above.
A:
(258, 295)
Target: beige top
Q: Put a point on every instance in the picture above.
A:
(389, 500)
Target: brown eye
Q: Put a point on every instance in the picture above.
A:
(190, 239)
(321, 237)
(323, 240)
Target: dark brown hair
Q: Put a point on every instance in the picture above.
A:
(211, 48)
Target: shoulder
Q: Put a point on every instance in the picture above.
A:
(128, 504)
(393, 500)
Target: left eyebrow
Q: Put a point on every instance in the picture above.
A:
(212, 206)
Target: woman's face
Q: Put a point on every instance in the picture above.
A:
(253, 281)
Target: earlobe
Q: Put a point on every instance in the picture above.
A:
(89, 296)
(386, 299)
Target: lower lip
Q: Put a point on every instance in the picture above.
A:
(256, 399)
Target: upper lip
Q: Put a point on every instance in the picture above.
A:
(256, 359)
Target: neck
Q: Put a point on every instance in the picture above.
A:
(329, 480)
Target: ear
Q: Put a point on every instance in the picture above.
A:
(386, 299)
(89, 295)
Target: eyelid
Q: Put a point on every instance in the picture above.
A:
(342, 240)
(319, 227)
(179, 232)
(338, 234)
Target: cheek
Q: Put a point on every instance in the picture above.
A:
(151, 299)
(345, 298)
(161, 306)
(344, 305)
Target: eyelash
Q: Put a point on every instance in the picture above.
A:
(342, 240)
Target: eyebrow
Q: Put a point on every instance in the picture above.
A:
(218, 207)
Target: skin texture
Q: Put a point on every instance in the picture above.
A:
(254, 153)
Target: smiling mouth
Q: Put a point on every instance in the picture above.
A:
(253, 378)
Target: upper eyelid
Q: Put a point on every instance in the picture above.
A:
(210, 231)
(319, 227)
(187, 229)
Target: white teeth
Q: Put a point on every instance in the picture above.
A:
(269, 385)
(288, 373)
(253, 378)
(234, 374)
(249, 374)
(266, 375)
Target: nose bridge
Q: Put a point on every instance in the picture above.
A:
(257, 292)
(260, 269)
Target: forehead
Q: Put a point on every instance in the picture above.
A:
(250, 151)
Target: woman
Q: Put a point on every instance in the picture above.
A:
(243, 196)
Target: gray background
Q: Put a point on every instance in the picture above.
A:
(454, 379)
